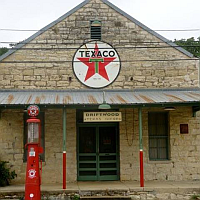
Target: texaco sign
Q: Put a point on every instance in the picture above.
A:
(96, 64)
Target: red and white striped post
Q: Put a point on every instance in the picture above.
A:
(141, 149)
(64, 148)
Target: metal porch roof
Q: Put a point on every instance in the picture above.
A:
(135, 97)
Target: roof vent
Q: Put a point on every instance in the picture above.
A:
(95, 30)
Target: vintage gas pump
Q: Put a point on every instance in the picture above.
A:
(33, 174)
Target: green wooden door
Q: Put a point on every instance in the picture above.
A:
(98, 157)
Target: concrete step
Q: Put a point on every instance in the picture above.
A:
(106, 197)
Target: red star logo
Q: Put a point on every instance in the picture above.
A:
(96, 64)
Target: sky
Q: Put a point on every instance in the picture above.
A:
(155, 14)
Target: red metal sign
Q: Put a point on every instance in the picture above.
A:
(33, 110)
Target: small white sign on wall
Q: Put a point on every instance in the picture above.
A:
(102, 117)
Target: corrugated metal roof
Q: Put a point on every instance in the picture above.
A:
(95, 97)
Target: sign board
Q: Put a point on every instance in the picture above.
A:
(102, 117)
(96, 64)
(33, 110)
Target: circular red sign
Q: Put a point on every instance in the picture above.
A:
(96, 64)
(33, 110)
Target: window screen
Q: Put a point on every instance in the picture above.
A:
(158, 136)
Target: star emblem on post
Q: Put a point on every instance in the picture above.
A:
(96, 64)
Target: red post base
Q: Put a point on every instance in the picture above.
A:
(64, 169)
(141, 169)
(32, 192)
(33, 179)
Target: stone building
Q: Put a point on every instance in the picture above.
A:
(97, 55)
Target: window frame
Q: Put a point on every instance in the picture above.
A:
(158, 137)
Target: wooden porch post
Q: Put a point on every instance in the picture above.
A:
(64, 148)
(141, 149)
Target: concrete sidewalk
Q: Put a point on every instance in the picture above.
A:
(111, 185)
(110, 188)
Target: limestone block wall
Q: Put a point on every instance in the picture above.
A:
(12, 147)
(117, 30)
(184, 162)
(11, 141)
(129, 145)
(185, 148)
(54, 146)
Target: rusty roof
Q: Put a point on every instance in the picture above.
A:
(95, 97)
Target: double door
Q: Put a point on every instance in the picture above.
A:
(98, 157)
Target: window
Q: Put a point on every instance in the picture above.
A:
(41, 117)
(95, 30)
(158, 136)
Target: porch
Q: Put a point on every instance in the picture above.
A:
(108, 188)
(132, 189)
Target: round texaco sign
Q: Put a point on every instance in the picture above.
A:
(33, 110)
(96, 64)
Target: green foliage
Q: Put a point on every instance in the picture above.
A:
(3, 50)
(195, 197)
(5, 174)
(190, 44)
(76, 197)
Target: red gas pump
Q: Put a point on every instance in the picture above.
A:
(33, 174)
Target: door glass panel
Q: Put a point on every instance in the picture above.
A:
(103, 173)
(87, 140)
(87, 158)
(87, 165)
(87, 173)
(107, 140)
(103, 158)
(97, 158)
(108, 165)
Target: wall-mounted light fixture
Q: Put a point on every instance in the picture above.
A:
(169, 108)
(104, 105)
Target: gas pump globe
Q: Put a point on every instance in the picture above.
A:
(33, 171)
